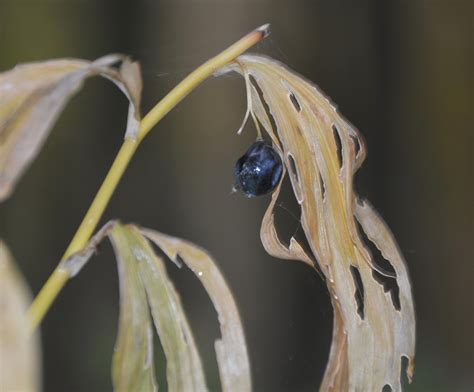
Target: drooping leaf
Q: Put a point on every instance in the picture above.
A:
(144, 286)
(33, 96)
(19, 352)
(133, 364)
(380, 235)
(154, 291)
(231, 349)
(322, 151)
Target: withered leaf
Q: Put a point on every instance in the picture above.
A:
(231, 349)
(19, 352)
(322, 151)
(33, 95)
(184, 370)
(133, 364)
(144, 284)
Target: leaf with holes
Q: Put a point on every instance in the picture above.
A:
(19, 352)
(33, 97)
(373, 330)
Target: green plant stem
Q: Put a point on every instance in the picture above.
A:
(60, 275)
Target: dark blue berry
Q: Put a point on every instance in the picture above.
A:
(259, 170)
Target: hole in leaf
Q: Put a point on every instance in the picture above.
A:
(403, 371)
(387, 388)
(293, 166)
(359, 293)
(355, 141)
(264, 104)
(322, 186)
(389, 285)
(387, 276)
(295, 102)
(294, 177)
(337, 139)
(379, 261)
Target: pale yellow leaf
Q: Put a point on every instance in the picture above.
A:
(145, 283)
(145, 286)
(19, 352)
(133, 365)
(231, 349)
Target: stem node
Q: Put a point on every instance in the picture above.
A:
(60, 276)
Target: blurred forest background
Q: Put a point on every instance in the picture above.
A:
(400, 71)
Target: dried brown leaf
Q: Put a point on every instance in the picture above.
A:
(369, 338)
(33, 96)
(19, 352)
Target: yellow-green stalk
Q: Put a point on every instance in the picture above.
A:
(60, 276)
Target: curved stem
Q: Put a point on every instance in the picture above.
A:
(60, 276)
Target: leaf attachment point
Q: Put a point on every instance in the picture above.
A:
(147, 293)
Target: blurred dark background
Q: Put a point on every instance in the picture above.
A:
(401, 71)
